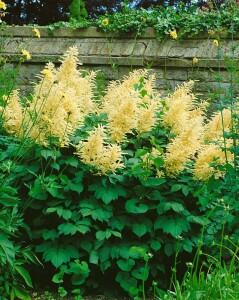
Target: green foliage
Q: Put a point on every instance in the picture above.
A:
(187, 20)
(78, 11)
(14, 276)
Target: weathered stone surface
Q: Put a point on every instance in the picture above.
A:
(115, 54)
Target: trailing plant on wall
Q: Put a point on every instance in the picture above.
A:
(185, 20)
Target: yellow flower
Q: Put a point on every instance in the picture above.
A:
(3, 5)
(174, 34)
(37, 32)
(105, 22)
(211, 32)
(195, 60)
(4, 97)
(26, 54)
(215, 42)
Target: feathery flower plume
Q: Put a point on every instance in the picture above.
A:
(60, 101)
(127, 109)
(220, 121)
(203, 168)
(97, 152)
(184, 146)
(179, 107)
(13, 114)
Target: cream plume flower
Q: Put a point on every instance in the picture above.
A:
(97, 152)
(131, 105)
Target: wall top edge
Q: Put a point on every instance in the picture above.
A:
(93, 32)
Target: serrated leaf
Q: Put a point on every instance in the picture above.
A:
(177, 207)
(50, 235)
(37, 192)
(75, 187)
(135, 207)
(66, 214)
(67, 228)
(108, 194)
(57, 256)
(172, 225)
(7, 251)
(139, 229)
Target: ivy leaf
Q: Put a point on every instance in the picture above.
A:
(133, 206)
(139, 230)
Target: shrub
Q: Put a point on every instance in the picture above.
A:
(104, 182)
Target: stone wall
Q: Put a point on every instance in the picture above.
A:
(171, 60)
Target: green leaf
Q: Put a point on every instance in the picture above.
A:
(21, 293)
(141, 273)
(66, 214)
(141, 152)
(135, 207)
(86, 245)
(67, 228)
(126, 264)
(7, 251)
(176, 187)
(59, 255)
(100, 235)
(175, 206)
(137, 252)
(37, 192)
(94, 257)
(172, 225)
(153, 181)
(75, 187)
(139, 229)
(108, 194)
(155, 245)
(25, 275)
